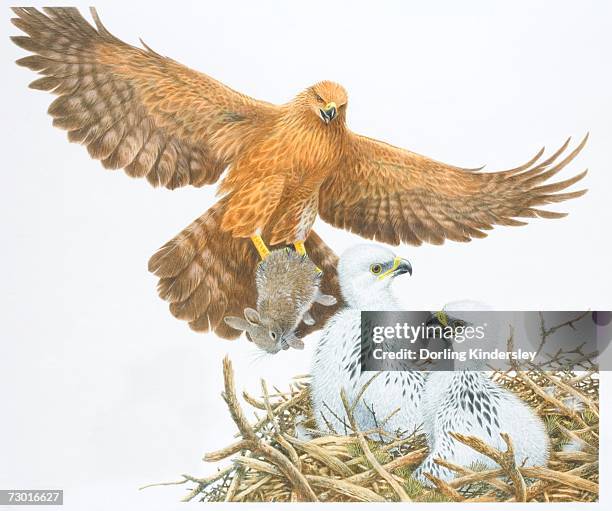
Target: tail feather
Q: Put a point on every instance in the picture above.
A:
(206, 274)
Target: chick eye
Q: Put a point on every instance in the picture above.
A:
(376, 269)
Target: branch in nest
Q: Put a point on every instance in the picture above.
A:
(201, 482)
(561, 477)
(471, 476)
(504, 459)
(545, 333)
(547, 397)
(322, 455)
(256, 445)
(339, 485)
(571, 390)
(221, 454)
(445, 488)
(397, 488)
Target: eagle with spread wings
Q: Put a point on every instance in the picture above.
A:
(284, 165)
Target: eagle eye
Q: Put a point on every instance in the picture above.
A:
(376, 269)
(318, 98)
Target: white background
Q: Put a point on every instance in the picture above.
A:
(101, 389)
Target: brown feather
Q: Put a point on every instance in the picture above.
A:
(159, 120)
(379, 184)
(205, 274)
(109, 90)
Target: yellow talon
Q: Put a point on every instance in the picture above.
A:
(262, 250)
(300, 248)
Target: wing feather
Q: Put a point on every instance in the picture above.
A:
(133, 108)
(205, 275)
(389, 194)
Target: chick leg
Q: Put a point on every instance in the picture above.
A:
(261, 247)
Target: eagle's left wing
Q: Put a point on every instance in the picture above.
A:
(392, 195)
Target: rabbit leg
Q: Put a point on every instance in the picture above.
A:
(308, 319)
(327, 300)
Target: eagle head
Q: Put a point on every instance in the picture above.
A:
(327, 100)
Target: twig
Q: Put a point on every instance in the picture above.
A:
(342, 486)
(255, 444)
(561, 477)
(571, 390)
(187, 478)
(547, 397)
(295, 459)
(221, 454)
(320, 454)
(504, 459)
(400, 492)
(234, 485)
(462, 471)
(445, 489)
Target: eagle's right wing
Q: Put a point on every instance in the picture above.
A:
(133, 108)
(393, 195)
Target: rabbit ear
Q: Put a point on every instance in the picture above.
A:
(252, 316)
(237, 323)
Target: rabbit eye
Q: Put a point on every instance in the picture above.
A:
(376, 269)
(273, 336)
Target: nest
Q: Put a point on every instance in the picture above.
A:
(270, 461)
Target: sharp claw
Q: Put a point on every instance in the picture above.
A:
(300, 248)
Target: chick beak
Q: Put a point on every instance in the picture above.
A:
(399, 267)
(403, 266)
(328, 112)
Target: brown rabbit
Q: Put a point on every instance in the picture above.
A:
(288, 284)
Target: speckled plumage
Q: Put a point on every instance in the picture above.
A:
(468, 402)
(336, 361)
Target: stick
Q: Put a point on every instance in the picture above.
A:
(397, 488)
(445, 489)
(504, 459)
(255, 444)
(339, 485)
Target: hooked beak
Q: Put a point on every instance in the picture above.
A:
(400, 266)
(328, 112)
(404, 266)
